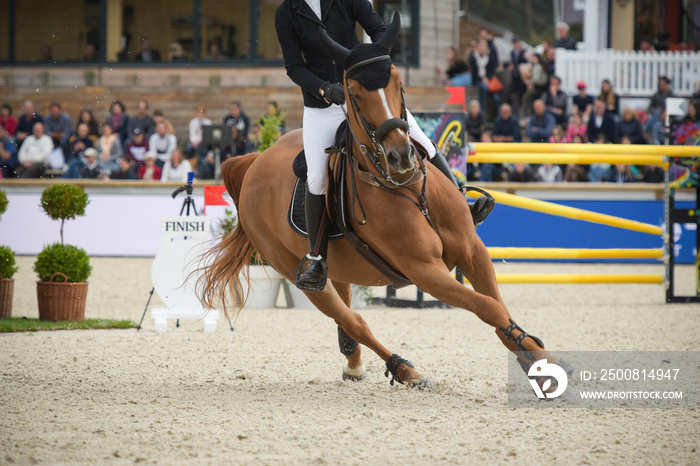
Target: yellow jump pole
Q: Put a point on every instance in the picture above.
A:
(630, 149)
(541, 278)
(578, 158)
(569, 253)
(570, 212)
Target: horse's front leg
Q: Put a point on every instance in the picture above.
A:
(349, 348)
(331, 304)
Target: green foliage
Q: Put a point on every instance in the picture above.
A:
(257, 259)
(228, 223)
(70, 260)
(64, 201)
(3, 202)
(7, 262)
(270, 131)
(23, 324)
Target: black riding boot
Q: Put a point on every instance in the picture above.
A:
(315, 275)
(482, 207)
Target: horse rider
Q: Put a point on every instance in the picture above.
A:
(297, 23)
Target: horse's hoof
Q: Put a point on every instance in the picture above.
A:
(424, 383)
(354, 375)
(564, 364)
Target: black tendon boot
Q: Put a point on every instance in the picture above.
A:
(315, 275)
(483, 205)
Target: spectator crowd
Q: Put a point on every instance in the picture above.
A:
(532, 107)
(128, 146)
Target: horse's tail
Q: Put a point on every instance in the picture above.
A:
(219, 281)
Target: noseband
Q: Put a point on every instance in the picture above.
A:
(377, 134)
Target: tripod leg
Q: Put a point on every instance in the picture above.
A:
(144, 311)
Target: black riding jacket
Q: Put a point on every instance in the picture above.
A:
(297, 31)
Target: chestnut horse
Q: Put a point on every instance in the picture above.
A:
(423, 247)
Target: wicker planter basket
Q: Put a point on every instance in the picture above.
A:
(61, 301)
(7, 286)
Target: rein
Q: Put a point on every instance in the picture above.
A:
(374, 157)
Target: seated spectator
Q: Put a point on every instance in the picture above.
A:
(688, 129)
(7, 121)
(195, 130)
(89, 54)
(47, 54)
(254, 137)
(658, 101)
(540, 124)
(576, 126)
(92, 168)
(598, 172)
(26, 122)
(630, 126)
(162, 144)
(34, 154)
(476, 121)
(574, 172)
(549, 173)
(483, 65)
(535, 83)
(176, 53)
(159, 117)
(506, 128)
(215, 53)
(137, 147)
(118, 120)
(564, 41)
(608, 96)
(8, 155)
(59, 126)
(620, 174)
(522, 173)
(601, 123)
(88, 118)
(176, 169)
(109, 147)
(142, 120)
(237, 118)
(658, 130)
(491, 171)
(557, 136)
(124, 171)
(147, 54)
(555, 100)
(583, 103)
(150, 171)
(457, 71)
(653, 174)
(79, 142)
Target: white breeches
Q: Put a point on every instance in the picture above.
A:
(320, 125)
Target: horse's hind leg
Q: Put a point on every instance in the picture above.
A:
(349, 348)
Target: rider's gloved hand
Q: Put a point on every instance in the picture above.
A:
(333, 93)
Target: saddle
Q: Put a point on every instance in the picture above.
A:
(339, 222)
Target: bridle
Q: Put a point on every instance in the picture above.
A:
(376, 154)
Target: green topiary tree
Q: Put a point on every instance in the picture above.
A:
(3, 202)
(64, 202)
(7, 262)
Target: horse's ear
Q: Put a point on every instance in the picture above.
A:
(391, 34)
(334, 50)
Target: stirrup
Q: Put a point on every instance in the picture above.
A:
(482, 207)
(508, 332)
(308, 285)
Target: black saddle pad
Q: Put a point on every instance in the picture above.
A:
(297, 216)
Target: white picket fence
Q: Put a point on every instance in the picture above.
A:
(632, 73)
